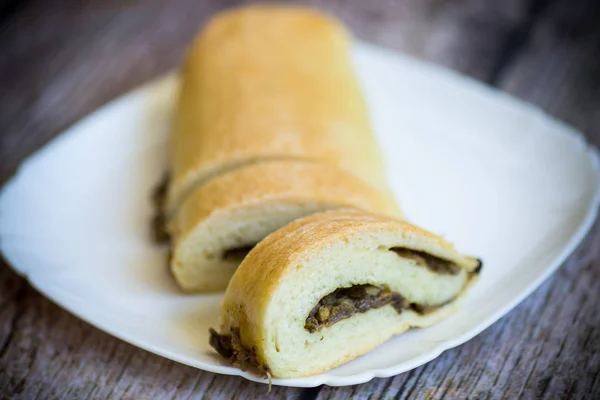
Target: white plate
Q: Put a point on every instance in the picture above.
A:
(492, 174)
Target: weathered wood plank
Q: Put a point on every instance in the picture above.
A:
(65, 61)
(559, 69)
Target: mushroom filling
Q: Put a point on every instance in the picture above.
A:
(159, 220)
(230, 346)
(433, 263)
(345, 302)
(237, 254)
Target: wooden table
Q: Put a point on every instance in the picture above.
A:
(61, 60)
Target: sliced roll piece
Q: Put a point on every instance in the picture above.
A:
(332, 286)
(222, 220)
(269, 82)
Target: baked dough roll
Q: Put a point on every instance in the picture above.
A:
(269, 82)
(334, 285)
(222, 220)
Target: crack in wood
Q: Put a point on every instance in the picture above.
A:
(386, 387)
(196, 384)
(409, 375)
(310, 393)
(121, 372)
(413, 387)
(516, 41)
(18, 298)
(448, 382)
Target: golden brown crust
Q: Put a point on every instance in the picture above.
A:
(273, 182)
(270, 82)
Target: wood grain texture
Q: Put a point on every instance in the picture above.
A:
(65, 61)
(59, 62)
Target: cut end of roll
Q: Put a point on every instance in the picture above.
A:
(329, 287)
(221, 221)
